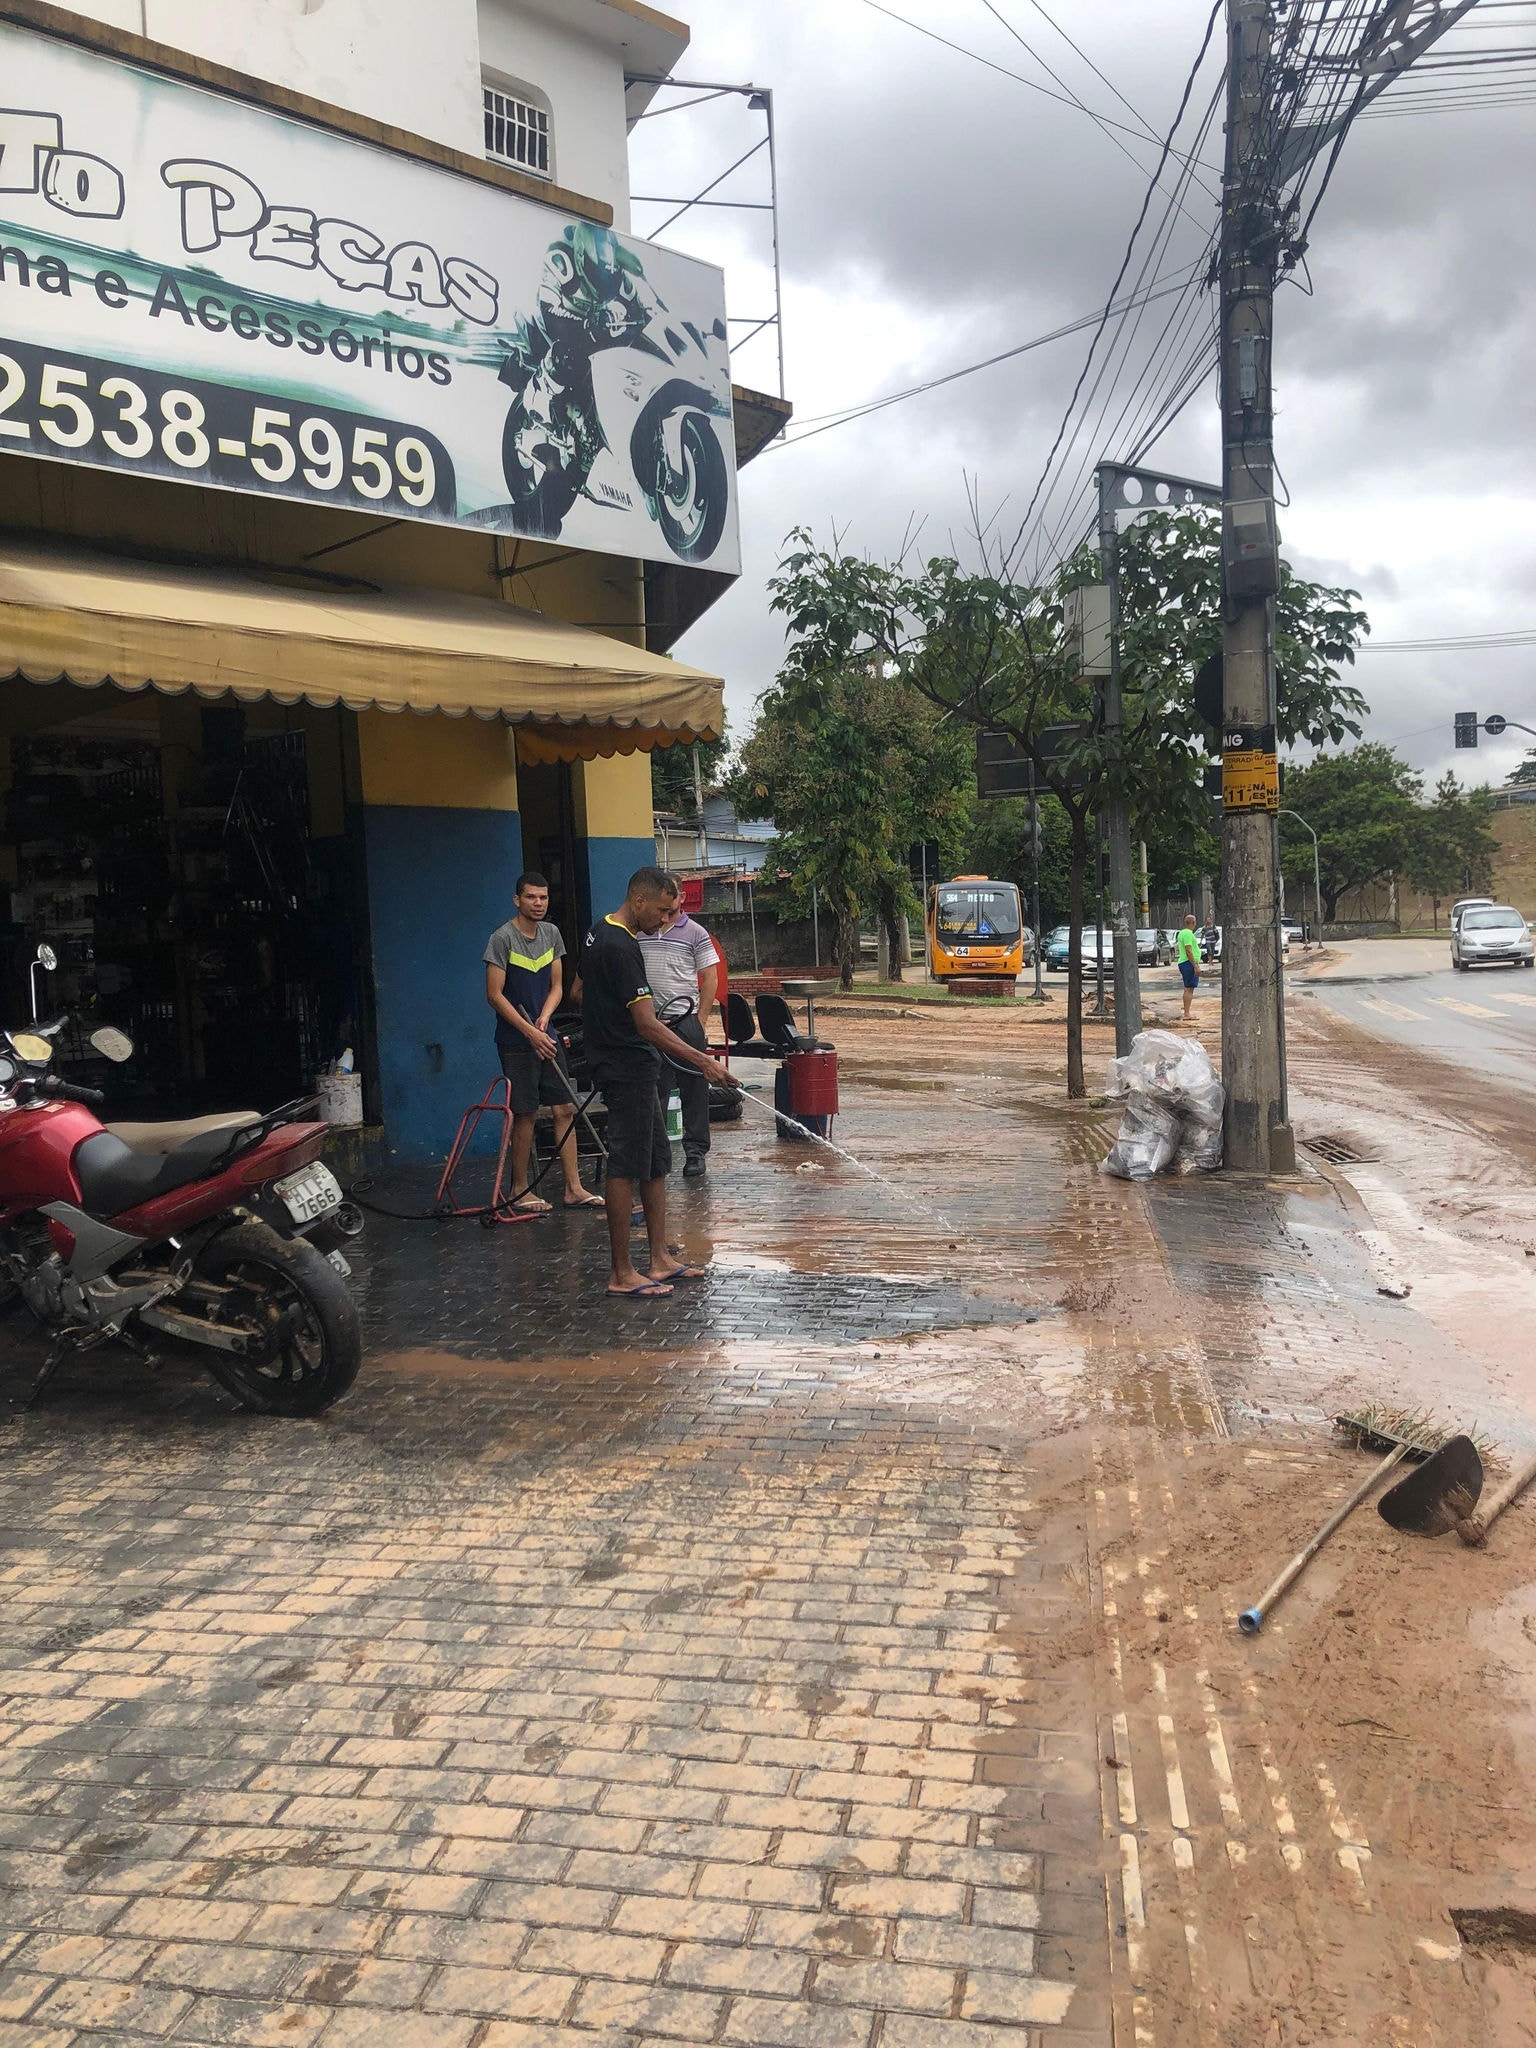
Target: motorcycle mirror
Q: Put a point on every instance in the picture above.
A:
(26, 1045)
(112, 1044)
(47, 959)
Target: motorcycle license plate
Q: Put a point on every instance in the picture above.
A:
(312, 1191)
(335, 1259)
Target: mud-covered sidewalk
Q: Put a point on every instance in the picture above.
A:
(841, 1651)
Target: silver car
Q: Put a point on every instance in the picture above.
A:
(1488, 935)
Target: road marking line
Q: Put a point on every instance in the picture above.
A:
(1465, 1009)
(1512, 995)
(1397, 1010)
(1135, 1935)
(1353, 1848)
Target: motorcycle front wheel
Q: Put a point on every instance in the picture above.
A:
(287, 1296)
(691, 503)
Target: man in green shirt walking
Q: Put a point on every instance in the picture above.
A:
(1189, 962)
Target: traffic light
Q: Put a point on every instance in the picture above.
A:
(1466, 728)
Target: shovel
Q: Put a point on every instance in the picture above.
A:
(1440, 1494)
(1251, 1620)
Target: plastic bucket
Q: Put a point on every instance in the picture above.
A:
(341, 1099)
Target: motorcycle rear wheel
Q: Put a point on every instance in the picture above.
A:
(541, 501)
(288, 1292)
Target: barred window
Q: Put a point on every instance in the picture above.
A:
(516, 132)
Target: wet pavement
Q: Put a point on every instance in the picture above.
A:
(776, 1663)
(1483, 1020)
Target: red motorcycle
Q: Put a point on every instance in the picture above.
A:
(213, 1231)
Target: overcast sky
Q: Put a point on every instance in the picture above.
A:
(935, 212)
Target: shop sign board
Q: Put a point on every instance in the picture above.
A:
(198, 288)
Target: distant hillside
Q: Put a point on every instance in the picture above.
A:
(1514, 873)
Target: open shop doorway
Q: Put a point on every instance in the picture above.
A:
(193, 868)
(546, 801)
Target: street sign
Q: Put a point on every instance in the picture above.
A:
(1466, 728)
(1493, 725)
(1001, 770)
(1127, 494)
(1250, 771)
(1004, 769)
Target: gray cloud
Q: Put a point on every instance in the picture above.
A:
(934, 212)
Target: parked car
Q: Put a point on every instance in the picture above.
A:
(1465, 903)
(1291, 929)
(1057, 947)
(1491, 934)
(1154, 948)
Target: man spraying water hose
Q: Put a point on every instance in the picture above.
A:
(626, 1042)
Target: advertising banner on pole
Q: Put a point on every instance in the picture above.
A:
(199, 288)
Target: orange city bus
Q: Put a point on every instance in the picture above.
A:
(975, 929)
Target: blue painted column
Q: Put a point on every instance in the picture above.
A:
(443, 847)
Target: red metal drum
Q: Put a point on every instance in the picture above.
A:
(812, 1078)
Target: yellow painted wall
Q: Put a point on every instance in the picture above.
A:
(462, 764)
(615, 801)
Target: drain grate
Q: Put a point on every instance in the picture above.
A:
(1337, 1151)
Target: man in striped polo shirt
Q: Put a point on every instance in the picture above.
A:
(685, 978)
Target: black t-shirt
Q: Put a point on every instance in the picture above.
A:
(613, 980)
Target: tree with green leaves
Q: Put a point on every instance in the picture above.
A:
(1524, 774)
(1363, 806)
(997, 844)
(1452, 846)
(673, 773)
(854, 768)
(990, 653)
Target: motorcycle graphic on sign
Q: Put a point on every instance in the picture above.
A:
(602, 346)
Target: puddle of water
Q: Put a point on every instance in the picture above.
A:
(729, 1260)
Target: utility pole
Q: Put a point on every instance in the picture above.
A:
(1258, 1133)
(1117, 819)
(1034, 908)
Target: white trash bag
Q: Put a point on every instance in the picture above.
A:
(1174, 1105)
(1147, 1142)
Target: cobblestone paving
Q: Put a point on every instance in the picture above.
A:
(586, 1676)
(590, 1675)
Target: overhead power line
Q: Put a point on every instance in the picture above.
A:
(822, 423)
(1456, 643)
(962, 50)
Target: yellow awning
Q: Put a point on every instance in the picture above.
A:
(92, 619)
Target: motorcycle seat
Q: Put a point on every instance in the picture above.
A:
(114, 1177)
(159, 1139)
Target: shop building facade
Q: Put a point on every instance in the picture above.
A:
(357, 474)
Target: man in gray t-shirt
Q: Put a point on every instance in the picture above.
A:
(524, 978)
(684, 973)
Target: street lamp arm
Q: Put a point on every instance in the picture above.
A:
(1317, 868)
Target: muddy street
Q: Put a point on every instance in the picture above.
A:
(840, 1651)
